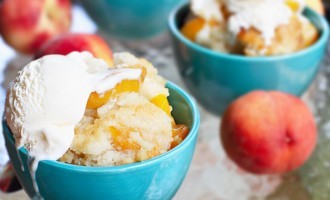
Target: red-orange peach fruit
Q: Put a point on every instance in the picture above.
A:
(69, 42)
(27, 24)
(268, 132)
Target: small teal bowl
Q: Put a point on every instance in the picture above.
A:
(216, 79)
(131, 19)
(157, 178)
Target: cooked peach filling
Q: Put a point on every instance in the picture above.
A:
(96, 100)
(121, 139)
(162, 102)
(192, 27)
(179, 133)
(293, 5)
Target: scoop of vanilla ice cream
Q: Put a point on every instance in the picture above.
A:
(48, 98)
(44, 98)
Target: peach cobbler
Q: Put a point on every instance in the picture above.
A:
(128, 123)
(250, 27)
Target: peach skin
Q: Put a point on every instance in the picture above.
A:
(26, 25)
(268, 132)
(69, 42)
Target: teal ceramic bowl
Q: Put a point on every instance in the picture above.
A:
(131, 19)
(216, 79)
(157, 178)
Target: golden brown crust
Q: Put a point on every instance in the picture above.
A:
(288, 39)
(297, 34)
(129, 127)
(310, 34)
(132, 130)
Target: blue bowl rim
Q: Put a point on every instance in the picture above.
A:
(318, 44)
(133, 166)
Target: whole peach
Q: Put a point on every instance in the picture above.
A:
(66, 43)
(26, 24)
(268, 132)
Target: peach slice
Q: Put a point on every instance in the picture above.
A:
(162, 102)
(179, 133)
(192, 27)
(120, 140)
(97, 100)
(293, 5)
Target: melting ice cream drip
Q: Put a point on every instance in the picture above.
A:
(48, 98)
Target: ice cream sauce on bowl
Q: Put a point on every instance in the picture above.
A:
(48, 98)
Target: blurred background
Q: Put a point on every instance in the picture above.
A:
(212, 175)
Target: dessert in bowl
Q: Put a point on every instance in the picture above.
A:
(115, 137)
(250, 28)
(234, 63)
